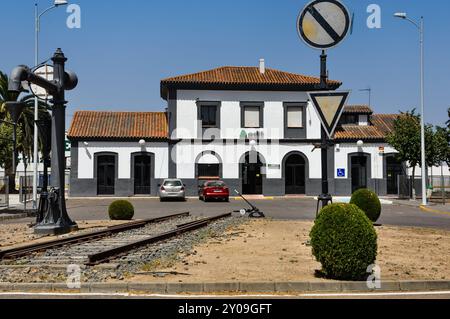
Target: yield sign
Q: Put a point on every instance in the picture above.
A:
(329, 107)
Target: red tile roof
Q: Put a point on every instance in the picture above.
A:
(154, 125)
(358, 109)
(246, 77)
(381, 126)
(118, 125)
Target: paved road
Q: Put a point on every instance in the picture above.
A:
(285, 208)
(298, 209)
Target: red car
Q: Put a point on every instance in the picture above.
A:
(214, 190)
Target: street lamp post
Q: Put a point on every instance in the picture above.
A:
(55, 219)
(38, 16)
(420, 27)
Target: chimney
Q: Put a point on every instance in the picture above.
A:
(262, 66)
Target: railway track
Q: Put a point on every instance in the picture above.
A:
(105, 245)
(92, 236)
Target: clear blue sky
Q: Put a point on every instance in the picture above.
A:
(125, 48)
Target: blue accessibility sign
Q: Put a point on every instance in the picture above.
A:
(341, 172)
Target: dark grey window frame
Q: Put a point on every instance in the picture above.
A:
(215, 129)
(261, 114)
(300, 132)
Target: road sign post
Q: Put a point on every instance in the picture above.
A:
(323, 24)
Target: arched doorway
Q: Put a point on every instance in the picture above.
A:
(106, 174)
(295, 175)
(142, 174)
(252, 174)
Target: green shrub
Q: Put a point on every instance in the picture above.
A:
(369, 203)
(344, 241)
(121, 210)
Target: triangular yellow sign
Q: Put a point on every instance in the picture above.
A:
(329, 107)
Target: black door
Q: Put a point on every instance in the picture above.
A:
(252, 178)
(359, 173)
(142, 175)
(295, 175)
(106, 171)
(394, 169)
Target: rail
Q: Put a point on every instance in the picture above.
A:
(32, 248)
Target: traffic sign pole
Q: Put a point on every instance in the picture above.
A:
(324, 24)
(325, 198)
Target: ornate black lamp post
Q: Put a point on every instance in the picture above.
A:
(55, 219)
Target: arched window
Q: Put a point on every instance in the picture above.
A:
(208, 165)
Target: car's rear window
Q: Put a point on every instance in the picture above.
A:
(215, 184)
(172, 183)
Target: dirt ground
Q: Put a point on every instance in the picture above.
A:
(267, 250)
(12, 235)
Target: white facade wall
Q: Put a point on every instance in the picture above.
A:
(124, 151)
(187, 112)
(377, 162)
(231, 155)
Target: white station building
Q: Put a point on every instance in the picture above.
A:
(252, 127)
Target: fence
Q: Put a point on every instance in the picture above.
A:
(4, 191)
(25, 189)
(439, 187)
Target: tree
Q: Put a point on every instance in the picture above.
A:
(441, 146)
(405, 138)
(25, 126)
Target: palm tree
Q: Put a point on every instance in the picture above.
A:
(25, 123)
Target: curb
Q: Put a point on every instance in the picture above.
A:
(230, 287)
(430, 210)
(17, 216)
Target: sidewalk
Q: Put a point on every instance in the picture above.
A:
(15, 210)
(431, 207)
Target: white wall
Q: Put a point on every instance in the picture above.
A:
(124, 151)
(377, 163)
(186, 154)
(187, 124)
(435, 171)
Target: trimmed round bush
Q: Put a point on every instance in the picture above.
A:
(121, 210)
(369, 203)
(344, 241)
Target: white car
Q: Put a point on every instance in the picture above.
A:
(172, 189)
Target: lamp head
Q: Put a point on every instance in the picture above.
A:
(401, 15)
(18, 75)
(360, 143)
(58, 3)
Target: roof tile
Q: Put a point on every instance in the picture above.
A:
(382, 125)
(358, 109)
(118, 125)
(245, 75)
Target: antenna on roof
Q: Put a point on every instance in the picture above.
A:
(369, 90)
